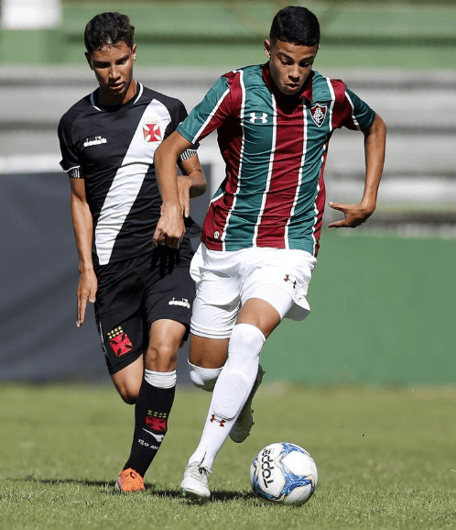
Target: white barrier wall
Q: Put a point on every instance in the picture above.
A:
(30, 14)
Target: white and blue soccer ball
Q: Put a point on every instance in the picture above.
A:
(284, 473)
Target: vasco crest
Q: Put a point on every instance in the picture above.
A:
(151, 130)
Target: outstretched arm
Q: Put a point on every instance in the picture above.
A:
(83, 231)
(374, 152)
(170, 227)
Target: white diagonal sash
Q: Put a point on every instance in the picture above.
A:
(127, 183)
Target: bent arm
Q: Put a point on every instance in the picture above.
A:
(83, 232)
(192, 182)
(374, 152)
(170, 227)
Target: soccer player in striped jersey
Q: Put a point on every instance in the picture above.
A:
(142, 294)
(261, 234)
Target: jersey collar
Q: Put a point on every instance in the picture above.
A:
(132, 101)
(304, 93)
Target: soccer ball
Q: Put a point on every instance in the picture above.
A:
(284, 473)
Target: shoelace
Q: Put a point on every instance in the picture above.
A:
(199, 472)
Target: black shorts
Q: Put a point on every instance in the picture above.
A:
(134, 293)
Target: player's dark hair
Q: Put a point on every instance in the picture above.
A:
(108, 29)
(296, 25)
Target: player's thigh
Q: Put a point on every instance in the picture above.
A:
(167, 307)
(281, 279)
(262, 314)
(217, 300)
(165, 339)
(119, 318)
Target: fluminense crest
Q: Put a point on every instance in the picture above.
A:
(318, 113)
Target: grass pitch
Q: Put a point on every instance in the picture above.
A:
(386, 459)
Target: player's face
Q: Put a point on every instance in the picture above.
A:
(289, 64)
(113, 68)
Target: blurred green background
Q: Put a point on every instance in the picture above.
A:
(414, 34)
(382, 313)
(383, 299)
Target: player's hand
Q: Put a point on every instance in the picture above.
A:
(87, 290)
(183, 185)
(354, 214)
(170, 227)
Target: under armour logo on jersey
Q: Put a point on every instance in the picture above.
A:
(318, 113)
(151, 130)
(263, 118)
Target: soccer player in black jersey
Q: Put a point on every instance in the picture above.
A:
(142, 294)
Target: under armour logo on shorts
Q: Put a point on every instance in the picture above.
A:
(291, 280)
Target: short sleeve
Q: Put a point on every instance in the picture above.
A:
(209, 114)
(70, 160)
(361, 116)
(178, 116)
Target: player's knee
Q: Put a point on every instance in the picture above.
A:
(162, 357)
(128, 382)
(204, 378)
(129, 393)
(246, 340)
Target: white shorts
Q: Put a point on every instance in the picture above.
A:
(225, 280)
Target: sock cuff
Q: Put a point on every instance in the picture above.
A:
(204, 378)
(160, 379)
(208, 373)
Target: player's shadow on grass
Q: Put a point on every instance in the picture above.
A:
(108, 486)
(57, 481)
(231, 495)
(217, 496)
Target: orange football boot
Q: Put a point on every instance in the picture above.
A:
(128, 481)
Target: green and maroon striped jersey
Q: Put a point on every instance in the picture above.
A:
(274, 147)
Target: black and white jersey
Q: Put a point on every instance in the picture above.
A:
(112, 149)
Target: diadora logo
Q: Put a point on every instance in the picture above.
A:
(318, 113)
(263, 118)
(151, 130)
(98, 140)
(183, 302)
(158, 437)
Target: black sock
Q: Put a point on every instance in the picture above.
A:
(151, 423)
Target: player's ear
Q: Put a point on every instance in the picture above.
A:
(89, 59)
(267, 48)
(133, 52)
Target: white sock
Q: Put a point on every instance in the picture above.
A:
(204, 378)
(230, 392)
(160, 379)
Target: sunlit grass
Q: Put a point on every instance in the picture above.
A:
(386, 459)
